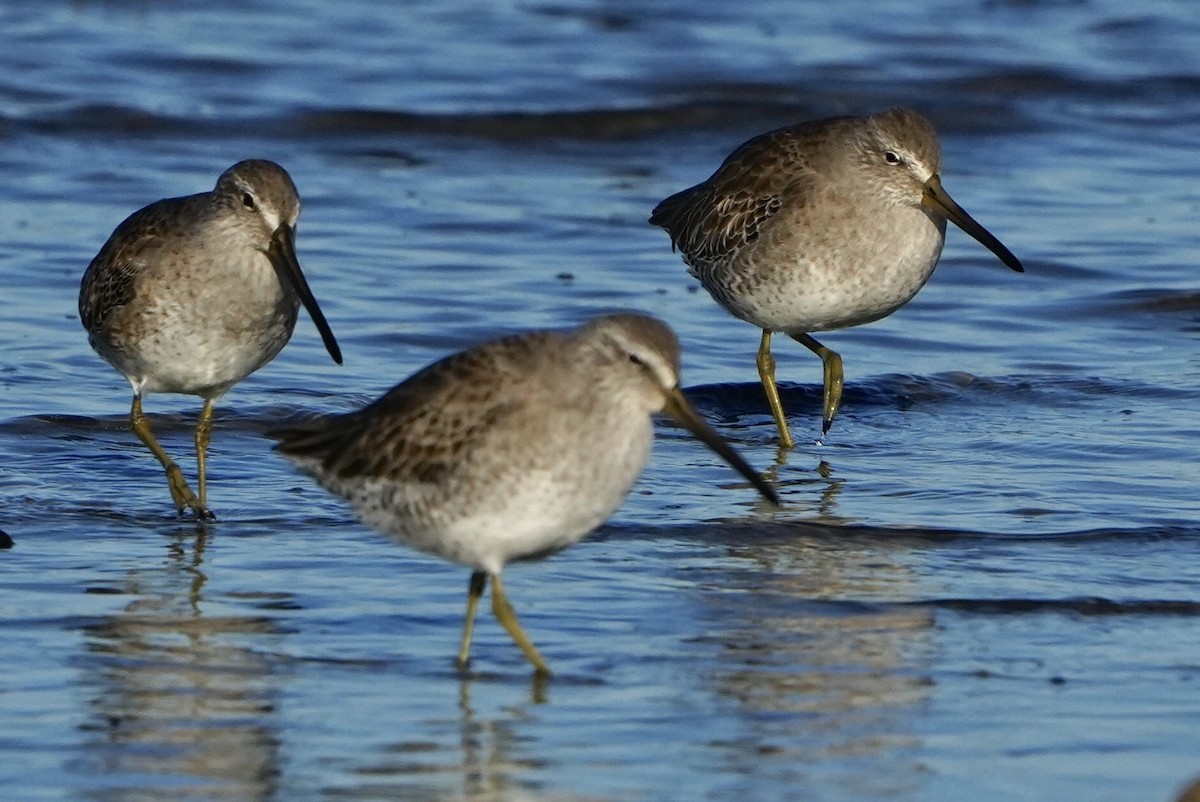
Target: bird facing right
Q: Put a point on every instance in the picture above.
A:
(511, 450)
(193, 294)
(822, 225)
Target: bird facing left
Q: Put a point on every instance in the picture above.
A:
(191, 295)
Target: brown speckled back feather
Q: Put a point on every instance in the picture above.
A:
(711, 221)
(110, 281)
(425, 426)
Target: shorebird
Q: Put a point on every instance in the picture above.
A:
(511, 450)
(822, 225)
(191, 295)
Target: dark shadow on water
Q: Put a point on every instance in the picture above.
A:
(1086, 606)
(779, 528)
(729, 403)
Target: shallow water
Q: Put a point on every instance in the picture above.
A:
(982, 584)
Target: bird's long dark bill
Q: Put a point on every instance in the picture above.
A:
(282, 253)
(941, 201)
(682, 411)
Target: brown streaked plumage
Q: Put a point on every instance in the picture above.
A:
(822, 225)
(511, 450)
(191, 295)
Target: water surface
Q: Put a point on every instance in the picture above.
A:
(982, 585)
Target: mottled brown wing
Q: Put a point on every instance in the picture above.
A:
(423, 429)
(110, 280)
(711, 221)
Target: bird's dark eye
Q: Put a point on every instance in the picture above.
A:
(637, 360)
(891, 157)
(247, 200)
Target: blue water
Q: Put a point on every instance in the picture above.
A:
(982, 585)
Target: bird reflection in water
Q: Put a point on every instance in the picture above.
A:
(179, 707)
(819, 665)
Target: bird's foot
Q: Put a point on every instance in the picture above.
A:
(184, 497)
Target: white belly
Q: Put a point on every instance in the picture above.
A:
(491, 513)
(202, 339)
(826, 286)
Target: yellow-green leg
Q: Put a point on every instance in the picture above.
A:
(766, 372)
(474, 591)
(508, 619)
(203, 436)
(180, 492)
(832, 362)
